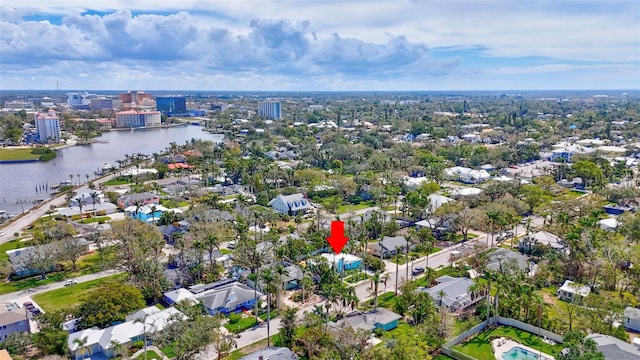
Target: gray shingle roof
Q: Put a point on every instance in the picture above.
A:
(272, 353)
(504, 255)
(391, 243)
(614, 348)
(227, 296)
(632, 313)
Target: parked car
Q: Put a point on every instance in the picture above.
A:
(2, 233)
(417, 271)
(36, 312)
(232, 245)
(505, 235)
(28, 305)
(70, 282)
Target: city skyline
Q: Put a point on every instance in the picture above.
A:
(321, 46)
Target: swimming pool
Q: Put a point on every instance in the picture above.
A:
(518, 353)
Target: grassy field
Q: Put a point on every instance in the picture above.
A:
(356, 278)
(71, 295)
(118, 181)
(87, 264)
(348, 208)
(18, 154)
(480, 348)
(386, 300)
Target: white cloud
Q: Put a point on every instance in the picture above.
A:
(317, 43)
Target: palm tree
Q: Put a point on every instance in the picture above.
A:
(268, 279)
(71, 178)
(375, 281)
(288, 325)
(143, 321)
(81, 203)
(78, 175)
(397, 265)
(94, 198)
(281, 271)
(83, 349)
(138, 206)
(153, 209)
(253, 277)
(87, 176)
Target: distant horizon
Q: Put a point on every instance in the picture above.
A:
(325, 91)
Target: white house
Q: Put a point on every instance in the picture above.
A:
(632, 318)
(571, 291)
(343, 261)
(466, 175)
(102, 341)
(608, 224)
(291, 204)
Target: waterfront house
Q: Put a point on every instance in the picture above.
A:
(453, 293)
(632, 318)
(100, 342)
(291, 205)
(12, 319)
(144, 198)
(389, 246)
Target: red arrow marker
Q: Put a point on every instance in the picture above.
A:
(337, 240)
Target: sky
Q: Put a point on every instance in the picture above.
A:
(320, 45)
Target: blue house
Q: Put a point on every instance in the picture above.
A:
(343, 261)
(379, 318)
(228, 299)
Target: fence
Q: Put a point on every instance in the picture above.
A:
(448, 350)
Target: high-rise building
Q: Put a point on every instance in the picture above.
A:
(271, 110)
(133, 119)
(80, 100)
(105, 104)
(624, 99)
(48, 127)
(171, 105)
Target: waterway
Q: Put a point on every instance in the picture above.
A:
(19, 182)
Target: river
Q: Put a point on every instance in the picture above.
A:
(18, 182)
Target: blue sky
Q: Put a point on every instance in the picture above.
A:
(320, 44)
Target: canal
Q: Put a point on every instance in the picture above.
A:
(19, 182)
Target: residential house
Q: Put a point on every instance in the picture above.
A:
(141, 198)
(21, 258)
(343, 261)
(453, 293)
(460, 192)
(529, 243)
(291, 205)
(101, 209)
(632, 318)
(271, 353)
(614, 348)
(379, 215)
(500, 258)
(12, 319)
(616, 209)
(572, 292)
(86, 197)
(564, 152)
(227, 299)
(608, 224)
(575, 183)
(171, 231)
(466, 175)
(147, 213)
(101, 342)
(389, 246)
(379, 318)
(178, 295)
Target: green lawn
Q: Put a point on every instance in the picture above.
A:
(70, 296)
(150, 355)
(480, 348)
(94, 220)
(118, 181)
(18, 154)
(356, 278)
(386, 300)
(348, 208)
(242, 325)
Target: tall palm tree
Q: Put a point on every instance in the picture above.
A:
(143, 321)
(398, 248)
(71, 178)
(94, 199)
(87, 176)
(376, 279)
(83, 349)
(81, 203)
(281, 271)
(78, 175)
(268, 281)
(153, 209)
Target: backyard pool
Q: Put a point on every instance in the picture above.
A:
(518, 353)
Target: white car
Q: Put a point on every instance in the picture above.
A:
(2, 233)
(70, 282)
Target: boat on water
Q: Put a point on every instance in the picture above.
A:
(106, 168)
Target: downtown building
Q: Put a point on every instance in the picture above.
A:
(134, 119)
(48, 127)
(172, 105)
(270, 110)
